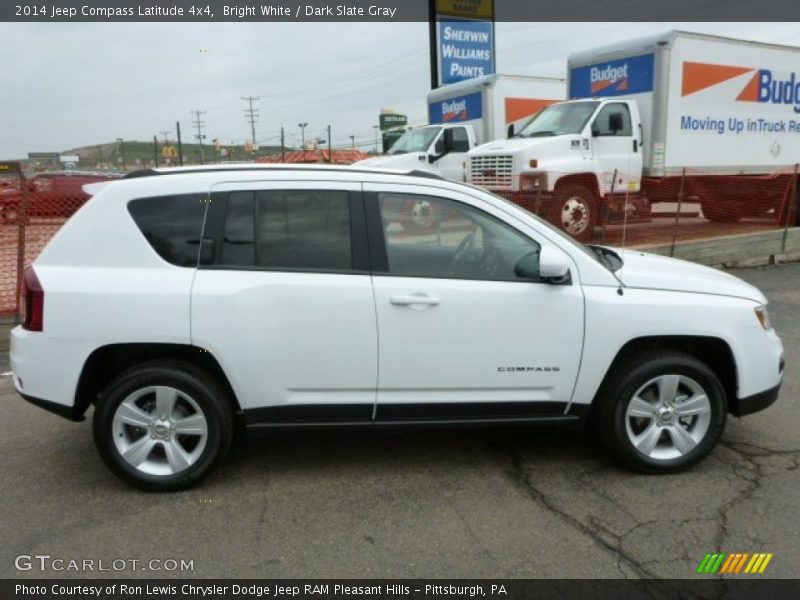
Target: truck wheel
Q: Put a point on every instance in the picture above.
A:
(422, 217)
(661, 411)
(720, 214)
(162, 425)
(575, 211)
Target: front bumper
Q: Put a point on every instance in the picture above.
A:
(755, 403)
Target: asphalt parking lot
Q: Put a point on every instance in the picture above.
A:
(455, 503)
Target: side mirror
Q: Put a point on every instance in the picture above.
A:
(443, 145)
(511, 130)
(615, 122)
(447, 136)
(553, 266)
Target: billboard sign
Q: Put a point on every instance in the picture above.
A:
(392, 120)
(10, 167)
(466, 49)
(466, 9)
(633, 75)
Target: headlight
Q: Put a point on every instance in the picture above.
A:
(763, 317)
(532, 181)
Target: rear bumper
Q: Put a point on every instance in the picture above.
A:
(755, 403)
(45, 370)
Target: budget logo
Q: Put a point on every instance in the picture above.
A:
(763, 85)
(455, 110)
(609, 76)
(734, 563)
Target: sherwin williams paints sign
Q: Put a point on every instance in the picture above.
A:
(633, 75)
(459, 108)
(466, 50)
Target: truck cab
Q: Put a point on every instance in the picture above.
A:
(441, 149)
(568, 162)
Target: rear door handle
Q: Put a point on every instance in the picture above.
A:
(414, 299)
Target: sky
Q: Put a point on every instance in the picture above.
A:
(67, 85)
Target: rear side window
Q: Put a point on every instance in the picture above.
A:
(288, 229)
(172, 225)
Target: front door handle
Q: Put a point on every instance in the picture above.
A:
(411, 299)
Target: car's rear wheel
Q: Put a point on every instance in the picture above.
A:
(163, 425)
(662, 411)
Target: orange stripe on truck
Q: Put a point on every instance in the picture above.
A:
(519, 108)
(699, 76)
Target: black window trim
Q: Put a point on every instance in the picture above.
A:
(215, 230)
(377, 241)
(630, 120)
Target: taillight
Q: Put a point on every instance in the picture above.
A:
(32, 301)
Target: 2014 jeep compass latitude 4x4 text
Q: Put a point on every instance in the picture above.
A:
(179, 301)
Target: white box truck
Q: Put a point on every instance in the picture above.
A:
(463, 115)
(706, 117)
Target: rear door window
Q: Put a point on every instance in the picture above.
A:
(303, 230)
(172, 225)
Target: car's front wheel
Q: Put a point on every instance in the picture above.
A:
(662, 411)
(163, 425)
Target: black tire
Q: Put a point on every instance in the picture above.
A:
(570, 221)
(628, 377)
(720, 214)
(208, 395)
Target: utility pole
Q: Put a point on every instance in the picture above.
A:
(376, 127)
(199, 124)
(330, 149)
(155, 150)
(353, 142)
(180, 145)
(251, 114)
(122, 153)
(302, 127)
(283, 147)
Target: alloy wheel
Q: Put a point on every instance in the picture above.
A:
(668, 417)
(160, 430)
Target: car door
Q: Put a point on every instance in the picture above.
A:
(283, 299)
(460, 335)
(616, 149)
(451, 165)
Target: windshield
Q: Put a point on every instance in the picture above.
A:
(414, 140)
(559, 119)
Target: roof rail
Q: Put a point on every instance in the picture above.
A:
(154, 172)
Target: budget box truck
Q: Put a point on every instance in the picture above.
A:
(462, 116)
(706, 118)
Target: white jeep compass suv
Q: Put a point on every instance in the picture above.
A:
(180, 301)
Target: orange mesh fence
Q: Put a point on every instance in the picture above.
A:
(684, 206)
(32, 209)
